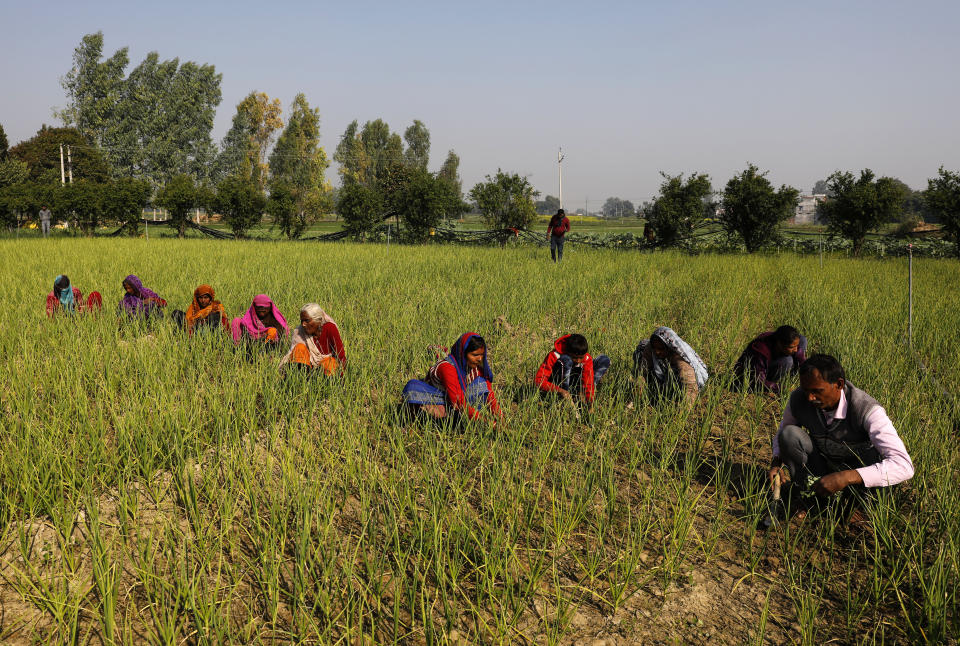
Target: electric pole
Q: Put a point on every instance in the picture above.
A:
(62, 180)
(560, 175)
(69, 164)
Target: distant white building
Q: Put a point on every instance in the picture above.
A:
(807, 208)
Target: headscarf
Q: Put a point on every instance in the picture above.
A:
(316, 313)
(251, 322)
(677, 345)
(195, 312)
(458, 357)
(64, 293)
(135, 303)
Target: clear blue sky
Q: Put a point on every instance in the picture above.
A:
(627, 88)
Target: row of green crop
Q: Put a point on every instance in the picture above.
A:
(159, 489)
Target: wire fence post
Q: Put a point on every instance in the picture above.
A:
(146, 228)
(821, 250)
(388, 237)
(910, 296)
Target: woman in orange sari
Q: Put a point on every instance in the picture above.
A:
(316, 343)
(205, 312)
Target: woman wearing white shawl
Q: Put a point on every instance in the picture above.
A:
(316, 342)
(669, 366)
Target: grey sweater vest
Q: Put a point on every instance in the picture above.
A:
(844, 442)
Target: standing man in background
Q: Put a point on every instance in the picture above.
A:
(45, 220)
(558, 227)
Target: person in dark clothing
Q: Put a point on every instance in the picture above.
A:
(556, 230)
(770, 358)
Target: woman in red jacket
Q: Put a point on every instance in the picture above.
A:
(316, 342)
(459, 384)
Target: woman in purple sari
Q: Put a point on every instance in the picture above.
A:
(140, 301)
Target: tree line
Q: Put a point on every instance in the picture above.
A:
(144, 138)
(750, 209)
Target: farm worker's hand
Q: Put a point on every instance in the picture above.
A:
(834, 482)
(776, 468)
(564, 393)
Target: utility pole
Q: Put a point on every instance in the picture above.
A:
(69, 164)
(62, 180)
(560, 175)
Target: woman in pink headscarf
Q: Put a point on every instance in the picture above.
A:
(262, 322)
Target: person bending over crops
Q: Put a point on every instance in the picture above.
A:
(262, 323)
(835, 437)
(316, 343)
(69, 300)
(569, 371)
(205, 312)
(556, 230)
(668, 368)
(460, 384)
(770, 358)
(138, 301)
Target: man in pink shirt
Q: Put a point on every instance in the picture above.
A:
(833, 435)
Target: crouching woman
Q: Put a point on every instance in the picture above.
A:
(69, 300)
(316, 344)
(460, 384)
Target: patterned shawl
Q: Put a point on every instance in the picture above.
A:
(678, 346)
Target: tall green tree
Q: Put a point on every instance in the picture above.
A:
(94, 88)
(124, 200)
(942, 199)
(241, 202)
(255, 124)
(283, 208)
(12, 172)
(299, 162)
(753, 209)
(4, 144)
(418, 145)
(860, 205)
(84, 201)
(237, 152)
(506, 200)
(450, 171)
(420, 199)
(41, 153)
(382, 148)
(153, 124)
(20, 201)
(351, 156)
(680, 207)
(180, 195)
(360, 207)
(164, 120)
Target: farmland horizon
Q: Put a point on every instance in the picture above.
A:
(626, 91)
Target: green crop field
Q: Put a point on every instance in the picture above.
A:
(155, 489)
